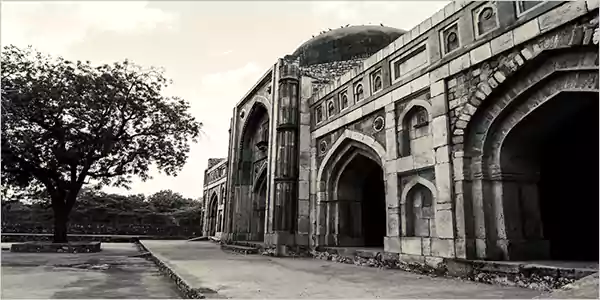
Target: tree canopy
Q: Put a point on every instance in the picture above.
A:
(68, 123)
(118, 213)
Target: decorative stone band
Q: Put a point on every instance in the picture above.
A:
(497, 175)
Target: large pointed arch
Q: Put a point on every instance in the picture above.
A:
(260, 102)
(494, 187)
(350, 135)
(348, 146)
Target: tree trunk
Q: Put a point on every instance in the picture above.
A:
(60, 225)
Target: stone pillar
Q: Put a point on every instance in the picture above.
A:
(286, 163)
(444, 225)
(304, 163)
(392, 240)
(205, 214)
(231, 173)
(273, 115)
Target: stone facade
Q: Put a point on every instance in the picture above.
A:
(436, 146)
(215, 192)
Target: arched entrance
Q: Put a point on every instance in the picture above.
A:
(352, 193)
(251, 161)
(556, 146)
(259, 203)
(212, 215)
(361, 202)
(531, 157)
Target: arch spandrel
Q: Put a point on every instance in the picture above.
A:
(350, 135)
(416, 181)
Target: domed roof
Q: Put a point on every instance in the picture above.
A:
(346, 43)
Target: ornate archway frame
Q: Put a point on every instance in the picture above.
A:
(238, 140)
(348, 141)
(212, 213)
(558, 70)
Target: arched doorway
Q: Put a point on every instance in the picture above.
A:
(259, 203)
(252, 158)
(531, 163)
(352, 204)
(361, 202)
(556, 147)
(212, 215)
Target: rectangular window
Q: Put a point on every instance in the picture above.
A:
(411, 62)
(525, 6)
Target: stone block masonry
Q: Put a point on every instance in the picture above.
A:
(421, 163)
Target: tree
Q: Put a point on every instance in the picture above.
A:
(66, 124)
(167, 201)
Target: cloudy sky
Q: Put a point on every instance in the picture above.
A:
(213, 51)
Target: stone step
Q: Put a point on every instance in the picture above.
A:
(240, 249)
(251, 244)
(196, 239)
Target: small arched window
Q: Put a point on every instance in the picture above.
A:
(451, 39)
(414, 127)
(358, 92)
(319, 114)
(330, 109)
(377, 84)
(376, 81)
(486, 20)
(419, 211)
(343, 100)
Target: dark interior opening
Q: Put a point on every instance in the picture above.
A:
(212, 223)
(373, 206)
(262, 203)
(569, 184)
(361, 193)
(560, 141)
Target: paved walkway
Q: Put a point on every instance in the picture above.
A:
(204, 265)
(111, 273)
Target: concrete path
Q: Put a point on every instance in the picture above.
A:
(111, 273)
(204, 265)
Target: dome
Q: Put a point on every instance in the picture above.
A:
(346, 43)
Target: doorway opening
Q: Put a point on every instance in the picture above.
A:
(558, 143)
(361, 201)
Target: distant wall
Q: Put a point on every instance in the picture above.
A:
(120, 229)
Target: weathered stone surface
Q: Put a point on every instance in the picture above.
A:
(442, 247)
(444, 221)
(411, 245)
(525, 32)
(502, 43)
(560, 15)
(461, 94)
(459, 64)
(480, 53)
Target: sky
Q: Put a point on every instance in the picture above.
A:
(213, 51)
